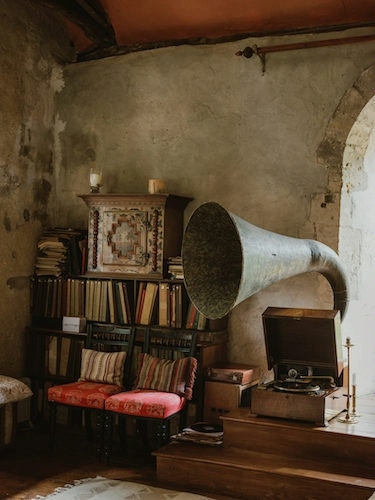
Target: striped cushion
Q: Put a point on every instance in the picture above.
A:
(165, 375)
(103, 367)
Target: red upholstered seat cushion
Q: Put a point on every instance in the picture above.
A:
(146, 403)
(84, 394)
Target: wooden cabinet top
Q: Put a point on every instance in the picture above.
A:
(119, 199)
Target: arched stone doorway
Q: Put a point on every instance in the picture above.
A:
(348, 152)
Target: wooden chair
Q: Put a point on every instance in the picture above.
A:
(105, 370)
(163, 386)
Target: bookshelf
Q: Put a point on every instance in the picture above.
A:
(138, 288)
(53, 357)
(163, 302)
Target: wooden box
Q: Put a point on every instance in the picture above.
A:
(220, 398)
(233, 373)
(303, 346)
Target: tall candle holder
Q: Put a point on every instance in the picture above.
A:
(354, 412)
(349, 417)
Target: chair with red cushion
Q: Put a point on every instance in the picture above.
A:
(163, 386)
(105, 370)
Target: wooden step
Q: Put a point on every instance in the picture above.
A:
(244, 474)
(352, 443)
(279, 459)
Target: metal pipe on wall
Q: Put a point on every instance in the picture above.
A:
(248, 52)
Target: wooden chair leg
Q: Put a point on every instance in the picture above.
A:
(182, 422)
(163, 433)
(142, 434)
(88, 424)
(52, 424)
(122, 431)
(100, 430)
(107, 435)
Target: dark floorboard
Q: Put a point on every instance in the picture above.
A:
(28, 468)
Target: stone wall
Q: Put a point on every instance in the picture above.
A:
(218, 129)
(31, 48)
(213, 125)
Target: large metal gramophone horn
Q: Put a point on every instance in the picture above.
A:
(226, 260)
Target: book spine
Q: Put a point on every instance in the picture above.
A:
(164, 316)
(148, 303)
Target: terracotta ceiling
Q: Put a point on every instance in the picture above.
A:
(100, 28)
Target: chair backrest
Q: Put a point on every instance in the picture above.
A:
(111, 338)
(170, 344)
(168, 362)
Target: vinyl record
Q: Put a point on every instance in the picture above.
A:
(206, 427)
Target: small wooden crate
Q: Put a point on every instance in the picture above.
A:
(220, 398)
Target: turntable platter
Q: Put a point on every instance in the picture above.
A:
(294, 386)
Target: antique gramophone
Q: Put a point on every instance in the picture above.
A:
(225, 261)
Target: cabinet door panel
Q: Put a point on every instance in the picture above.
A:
(125, 238)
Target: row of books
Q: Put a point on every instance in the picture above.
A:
(172, 311)
(63, 356)
(96, 300)
(111, 300)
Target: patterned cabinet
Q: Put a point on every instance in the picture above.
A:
(133, 234)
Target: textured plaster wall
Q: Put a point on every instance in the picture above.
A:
(216, 128)
(28, 60)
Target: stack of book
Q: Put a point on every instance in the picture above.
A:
(175, 269)
(51, 258)
(61, 252)
(209, 434)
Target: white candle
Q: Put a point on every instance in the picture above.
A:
(354, 379)
(156, 186)
(95, 179)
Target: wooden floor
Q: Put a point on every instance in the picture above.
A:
(28, 468)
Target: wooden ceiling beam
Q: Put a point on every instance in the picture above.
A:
(89, 16)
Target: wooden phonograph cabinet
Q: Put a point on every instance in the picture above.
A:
(304, 349)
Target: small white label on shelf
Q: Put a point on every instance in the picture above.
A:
(74, 324)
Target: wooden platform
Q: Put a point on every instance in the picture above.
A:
(279, 459)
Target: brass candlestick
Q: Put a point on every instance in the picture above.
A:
(354, 412)
(349, 417)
